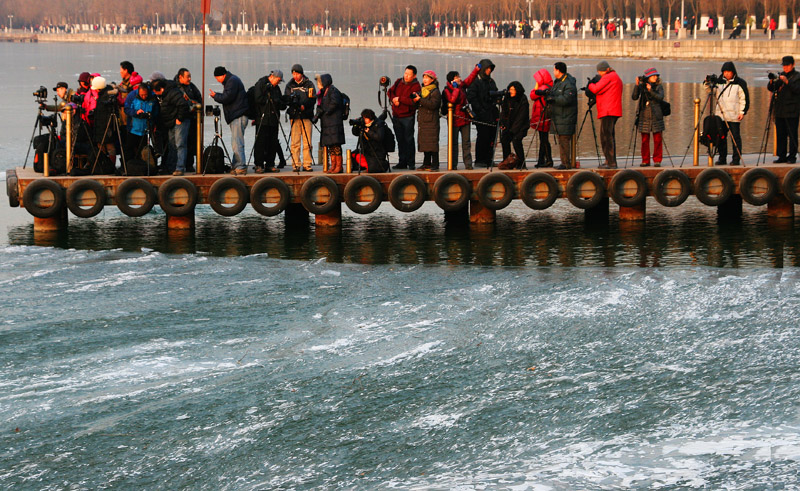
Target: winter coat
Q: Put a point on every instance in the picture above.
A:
(428, 118)
(787, 97)
(540, 119)
(329, 113)
(300, 94)
(269, 103)
(173, 107)
(137, 123)
(514, 118)
(105, 111)
(190, 92)
(404, 90)
(372, 147)
(479, 96)
(458, 97)
(233, 98)
(651, 118)
(563, 105)
(731, 100)
(126, 86)
(609, 95)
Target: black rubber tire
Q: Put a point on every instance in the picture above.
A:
(665, 177)
(615, 188)
(310, 186)
(261, 187)
(447, 180)
(790, 185)
(171, 185)
(80, 186)
(748, 181)
(128, 186)
(707, 176)
(528, 186)
(220, 187)
(396, 188)
(36, 187)
(351, 194)
(574, 184)
(12, 188)
(485, 185)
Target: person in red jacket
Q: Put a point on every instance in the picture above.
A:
(456, 93)
(540, 121)
(403, 111)
(607, 88)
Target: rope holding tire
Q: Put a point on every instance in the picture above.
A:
(43, 198)
(531, 190)
(218, 196)
(177, 197)
(758, 186)
(713, 186)
(791, 185)
(621, 184)
(487, 190)
(671, 187)
(360, 187)
(407, 193)
(585, 189)
(320, 195)
(446, 198)
(135, 197)
(269, 196)
(76, 197)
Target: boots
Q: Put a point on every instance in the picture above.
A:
(508, 163)
(336, 164)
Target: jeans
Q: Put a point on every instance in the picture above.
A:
(238, 126)
(178, 137)
(608, 139)
(404, 132)
(786, 128)
(466, 144)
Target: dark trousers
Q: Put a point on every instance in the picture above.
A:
(736, 147)
(404, 132)
(266, 146)
(786, 128)
(507, 140)
(133, 146)
(545, 151)
(430, 160)
(466, 151)
(484, 144)
(565, 149)
(608, 139)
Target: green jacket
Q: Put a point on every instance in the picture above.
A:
(563, 105)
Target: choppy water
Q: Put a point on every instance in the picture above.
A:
(541, 352)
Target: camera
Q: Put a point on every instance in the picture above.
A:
(213, 111)
(714, 80)
(41, 93)
(357, 123)
(542, 92)
(77, 98)
(384, 81)
(47, 121)
(498, 95)
(772, 75)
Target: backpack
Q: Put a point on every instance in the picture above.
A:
(252, 113)
(666, 108)
(42, 144)
(714, 131)
(388, 139)
(214, 161)
(345, 106)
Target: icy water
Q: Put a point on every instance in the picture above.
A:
(400, 352)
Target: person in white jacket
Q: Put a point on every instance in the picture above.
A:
(732, 103)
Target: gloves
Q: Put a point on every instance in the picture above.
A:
(454, 84)
(595, 79)
(478, 66)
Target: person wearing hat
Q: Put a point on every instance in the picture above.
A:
(732, 103)
(103, 102)
(175, 118)
(486, 113)
(455, 92)
(64, 93)
(300, 94)
(429, 100)
(84, 83)
(562, 103)
(403, 109)
(514, 124)
(786, 91)
(269, 104)
(330, 105)
(650, 93)
(607, 88)
(234, 105)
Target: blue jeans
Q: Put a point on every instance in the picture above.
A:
(238, 126)
(178, 138)
(404, 131)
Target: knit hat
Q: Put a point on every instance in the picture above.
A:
(98, 83)
(220, 71)
(728, 66)
(787, 60)
(297, 68)
(277, 73)
(85, 77)
(650, 72)
(430, 73)
(157, 76)
(61, 84)
(603, 66)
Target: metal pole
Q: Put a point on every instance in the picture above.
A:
(573, 151)
(774, 140)
(324, 159)
(47, 164)
(349, 165)
(156, 22)
(696, 139)
(198, 108)
(450, 136)
(68, 123)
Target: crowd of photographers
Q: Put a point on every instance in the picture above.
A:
(133, 115)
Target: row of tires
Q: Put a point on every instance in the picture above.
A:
(270, 196)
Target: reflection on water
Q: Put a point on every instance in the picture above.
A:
(560, 236)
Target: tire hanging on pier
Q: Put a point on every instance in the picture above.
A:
(495, 190)
(446, 197)
(83, 192)
(791, 185)
(758, 186)
(12, 188)
(539, 190)
(44, 198)
(220, 191)
(628, 188)
(177, 197)
(363, 189)
(713, 186)
(320, 195)
(135, 197)
(671, 187)
(269, 196)
(585, 189)
(407, 193)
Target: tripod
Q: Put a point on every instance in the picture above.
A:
(762, 150)
(641, 102)
(41, 121)
(216, 142)
(111, 120)
(594, 130)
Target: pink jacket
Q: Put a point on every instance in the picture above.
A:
(609, 95)
(539, 120)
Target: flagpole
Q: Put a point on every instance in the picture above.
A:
(205, 6)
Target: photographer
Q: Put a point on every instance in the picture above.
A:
(103, 103)
(329, 114)
(650, 92)
(300, 93)
(563, 105)
(607, 88)
(786, 90)
(269, 104)
(141, 110)
(175, 116)
(192, 96)
(540, 120)
(455, 93)
(130, 80)
(403, 109)
(486, 113)
(514, 123)
(371, 132)
(64, 93)
(234, 104)
(732, 98)
(429, 99)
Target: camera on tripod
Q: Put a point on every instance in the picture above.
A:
(715, 80)
(77, 99)
(357, 123)
(498, 95)
(384, 81)
(213, 111)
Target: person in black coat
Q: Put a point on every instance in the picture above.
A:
(480, 98)
(786, 90)
(269, 104)
(514, 124)
(175, 116)
(329, 114)
(192, 96)
(371, 132)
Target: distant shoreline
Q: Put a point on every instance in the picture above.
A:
(685, 49)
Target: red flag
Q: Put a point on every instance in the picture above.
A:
(206, 6)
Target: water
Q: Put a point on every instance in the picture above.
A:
(541, 352)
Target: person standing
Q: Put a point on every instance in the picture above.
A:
(514, 124)
(403, 110)
(786, 90)
(732, 104)
(329, 113)
(429, 101)
(650, 93)
(234, 104)
(486, 113)
(540, 121)
(300, 94)
(141, 110)
(192, 96)
(175, 116)
(607, 88)
(563, 102)
(456, 94)
(269, 103)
